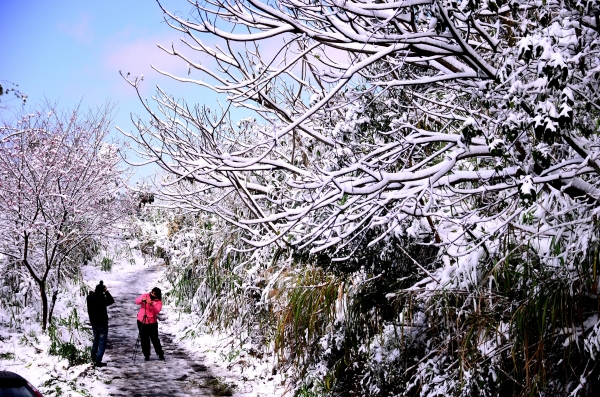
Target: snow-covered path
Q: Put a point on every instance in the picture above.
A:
(180, 375)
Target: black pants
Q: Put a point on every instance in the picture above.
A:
(149, 332)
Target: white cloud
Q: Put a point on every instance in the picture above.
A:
(79, 30)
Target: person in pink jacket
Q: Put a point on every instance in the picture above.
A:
(150, 305)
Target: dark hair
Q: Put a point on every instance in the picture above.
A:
(100, 287)
(157, 292)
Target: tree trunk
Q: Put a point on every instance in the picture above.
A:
(42, 286)
(54, 296)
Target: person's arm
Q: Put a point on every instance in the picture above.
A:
(156, 306)
(87, 301)
(139, 299)
(108, 299)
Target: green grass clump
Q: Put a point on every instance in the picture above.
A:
(220, 386)
(106, 264)
(68, 350)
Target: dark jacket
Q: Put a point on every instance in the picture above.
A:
(96, 304)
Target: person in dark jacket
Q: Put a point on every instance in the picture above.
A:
(97, 302)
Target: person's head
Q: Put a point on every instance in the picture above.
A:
(155, 293)
(100, 288)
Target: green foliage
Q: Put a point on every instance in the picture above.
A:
(106, 264)
(147, 247)
(363, 255)
(52, 388)
(160, 252)
(29, 339)
(305, 391)
(70, 350)
(220, 387)
(308, 307)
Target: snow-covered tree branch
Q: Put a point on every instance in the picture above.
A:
(377, 114)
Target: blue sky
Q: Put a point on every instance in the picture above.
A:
(72, 51)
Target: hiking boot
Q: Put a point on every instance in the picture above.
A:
(161, 357)
(100, 364)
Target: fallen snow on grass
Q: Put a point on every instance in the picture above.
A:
(25, 350)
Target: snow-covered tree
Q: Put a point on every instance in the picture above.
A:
(60, 185)
(449, 147)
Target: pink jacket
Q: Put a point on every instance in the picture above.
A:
(151, 308)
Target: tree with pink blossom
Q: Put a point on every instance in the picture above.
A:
(60, 189)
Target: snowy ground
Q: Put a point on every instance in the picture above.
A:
(200, 366)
